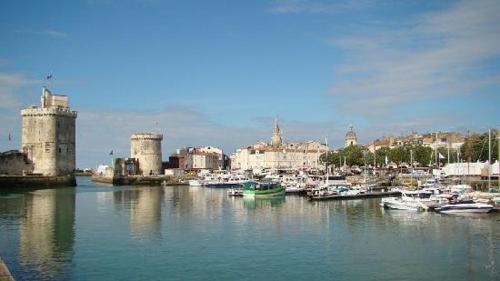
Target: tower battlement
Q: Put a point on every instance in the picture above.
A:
(150, 136)
(32, 111)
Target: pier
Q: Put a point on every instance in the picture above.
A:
(160, 180)
(358, 196)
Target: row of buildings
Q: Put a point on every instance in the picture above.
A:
(433, 140)
(278, 155)
(48, 147)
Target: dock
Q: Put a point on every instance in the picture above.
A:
(160, 180)
(4, 272)
(358, 196)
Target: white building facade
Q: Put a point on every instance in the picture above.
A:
(277, 155)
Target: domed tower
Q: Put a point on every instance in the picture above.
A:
(48, 135)
(276, 138)
(146, 148)
(350, 137)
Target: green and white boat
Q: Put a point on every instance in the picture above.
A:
(254, 189)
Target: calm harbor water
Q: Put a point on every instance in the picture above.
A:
(99, 232)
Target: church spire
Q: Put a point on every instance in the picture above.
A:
(276, 139)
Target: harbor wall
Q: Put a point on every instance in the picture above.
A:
(36, 181)
(14, 163)
(139, 180)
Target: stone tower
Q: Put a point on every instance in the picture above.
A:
(276, 138)
(48, 135)
(350, 137)
(146, 148)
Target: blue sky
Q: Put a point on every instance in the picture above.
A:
(218, 72)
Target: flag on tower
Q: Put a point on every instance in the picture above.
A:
(48, 77)
(10, 137)
(111, 152)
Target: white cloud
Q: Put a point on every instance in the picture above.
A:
(436, 55)
(53, 33)
(316, 7)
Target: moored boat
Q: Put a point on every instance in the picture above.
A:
(418, 200)
(464, 207)
(195, 183)
(235, 192)
(254, 189)
(399, 204)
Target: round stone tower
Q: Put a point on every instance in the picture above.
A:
(350, 137)
(48, 135)
(146, 148)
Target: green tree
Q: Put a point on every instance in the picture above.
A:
(354, 155)
(380, 155)
(476, 147)
(422, 154)
(334, 158)
(399, 155)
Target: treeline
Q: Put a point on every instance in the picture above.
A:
(475, 148)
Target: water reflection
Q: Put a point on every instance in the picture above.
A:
(47, 230)
(353, 237)
(144, 204)
(254, 203)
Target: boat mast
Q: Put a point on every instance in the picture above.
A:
(326, 160)
(469, 155)
(498, 157)
(448, 150)
(365, 171)
(436, 150)
(489, 159)
(411, 163)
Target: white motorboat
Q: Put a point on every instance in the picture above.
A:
(294, 188)
(401, 204)
(465, 207)
(460, 188)
(419, 200)
(195, 183)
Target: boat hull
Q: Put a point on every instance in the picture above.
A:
(398, 204)
(273, 194)
(222, 185)
(465, 209)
